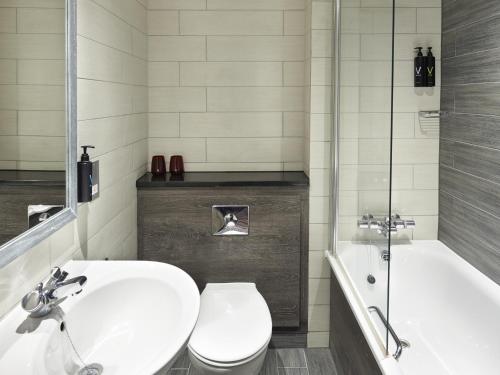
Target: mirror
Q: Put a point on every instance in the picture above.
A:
(37, 122)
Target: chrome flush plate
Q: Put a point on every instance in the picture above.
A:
(230, 220)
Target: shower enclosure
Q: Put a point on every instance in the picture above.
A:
(386, 146)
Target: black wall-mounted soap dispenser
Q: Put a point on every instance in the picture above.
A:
(430, 69)
(88, 177)
(420, 69)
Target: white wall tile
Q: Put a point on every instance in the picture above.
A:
(293, 73)
(319, 210)
(177, 99)
(231, 23)
(163, 73)
(255, 99)
(318, 264)
(131, 11)
(192, 149)
(426, 176)
(176, 48)
(263, 150)
(319, 317)
(102, 99)
(321, 127)
(163, 125)
(32, 46)
(318, 339)
(322, 14)
(46, 123)
(111, 103)
(294, 22)
(8, 72)
(41, 72)
(176, 4)
(293, 124)
(319, 182)
(99, 62)
(102, 26)
(37, 20)
(255, 48)
(231, 125)
(163, 22)
(292, 153)
(232, 74)
(255, 4)
(321, 71)
(8, 20)
(322, 43)
(8, 122)
(429, 20)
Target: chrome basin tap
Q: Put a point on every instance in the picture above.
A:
(40, 301)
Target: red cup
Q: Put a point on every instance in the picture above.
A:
(158, 167)
(176, 165)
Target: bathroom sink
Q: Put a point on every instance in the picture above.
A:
(130, 318)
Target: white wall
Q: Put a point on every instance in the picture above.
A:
(112, 114)
(32, 131)
(365, 118)
(317, 164)
(281, 93)
(226, 83)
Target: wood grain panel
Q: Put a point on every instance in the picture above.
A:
(350, 351)
(175, 227)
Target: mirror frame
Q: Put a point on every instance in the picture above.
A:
(28, 239)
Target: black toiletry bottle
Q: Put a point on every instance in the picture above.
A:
(420, 69)
(430, 69)
(85, 177)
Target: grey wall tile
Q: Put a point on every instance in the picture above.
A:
(463, 12)
(478, 99)
(469, 209)
(479, 36)
(476, 191)
(472, 233)
(479, 67)
(446, 152)
(473, 129)
(448, 48)
(475, 160)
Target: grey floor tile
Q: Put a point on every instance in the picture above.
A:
(290, 358)
(270, 366)
(320, 362)
(182, 362)
(177, 372)
(292, 371)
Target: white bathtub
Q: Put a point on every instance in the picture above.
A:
(447, 310)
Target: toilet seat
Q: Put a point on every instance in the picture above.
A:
(234, 325)
(229, 364)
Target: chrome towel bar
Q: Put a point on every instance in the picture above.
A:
(399, 343)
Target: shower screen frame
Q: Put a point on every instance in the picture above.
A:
(335, 148)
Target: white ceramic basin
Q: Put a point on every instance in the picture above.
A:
(132, 318)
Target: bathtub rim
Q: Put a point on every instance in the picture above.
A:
(387, 364)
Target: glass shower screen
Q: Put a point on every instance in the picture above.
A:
(363, 129)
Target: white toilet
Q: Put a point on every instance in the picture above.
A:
(233, 330)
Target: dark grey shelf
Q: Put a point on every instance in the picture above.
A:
(32, 178)
(223, 179)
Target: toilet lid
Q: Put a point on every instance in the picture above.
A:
(234, 323)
